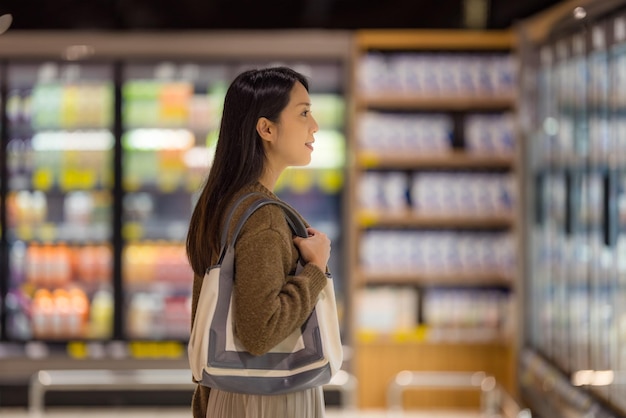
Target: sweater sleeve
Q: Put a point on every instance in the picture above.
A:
(269, 302)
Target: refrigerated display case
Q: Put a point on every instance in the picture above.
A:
(59, 188)
(571, 359)
(170, 117)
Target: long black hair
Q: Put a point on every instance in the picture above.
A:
(239, 155)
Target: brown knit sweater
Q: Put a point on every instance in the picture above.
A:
(271, 301)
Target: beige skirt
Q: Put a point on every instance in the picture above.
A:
(306, 404)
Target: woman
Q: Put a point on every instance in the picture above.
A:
(266, 127)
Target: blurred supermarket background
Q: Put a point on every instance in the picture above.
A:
(469, 170)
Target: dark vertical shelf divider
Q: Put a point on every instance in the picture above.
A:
(539, 205)
(118, 314)
(4, 256)
(570, 202)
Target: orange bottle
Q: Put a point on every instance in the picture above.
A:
(42, 312)
(34, 265)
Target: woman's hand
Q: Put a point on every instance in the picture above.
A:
(314, 249)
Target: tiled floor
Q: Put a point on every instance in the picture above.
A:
(56, 412)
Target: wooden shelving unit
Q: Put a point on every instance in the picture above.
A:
(453, 159)
(378, 357)
(407, 102)
(456, 279)
(369, 218)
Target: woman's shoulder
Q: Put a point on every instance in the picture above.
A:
(268, 217)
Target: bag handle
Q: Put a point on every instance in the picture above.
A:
(224, 236)
(293, 219)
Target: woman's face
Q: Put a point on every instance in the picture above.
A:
(293, 139)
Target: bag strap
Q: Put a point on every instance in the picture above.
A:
(293, 219)
(229, 217)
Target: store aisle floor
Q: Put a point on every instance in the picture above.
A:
(166, 412)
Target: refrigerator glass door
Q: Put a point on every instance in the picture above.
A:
(171, 115)
(59, 149)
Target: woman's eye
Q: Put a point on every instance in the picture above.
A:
(306, 113)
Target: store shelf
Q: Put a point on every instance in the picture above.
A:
(431, 338)
(416, 101)
(414, 160)
(465, 40)
(458, 279)
(413, 219)
(415, 153)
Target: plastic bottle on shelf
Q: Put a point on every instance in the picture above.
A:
(34, 265)
(80, 312)
(14, 106)
(14, 156)
(103, 259)
(80, 307)
(64, 264)
(24, 207)
(86, 263)
(139, 318)
(41, 313)
(25, 111)
(39, 207)
(48, 261)
(145, 259)
(71, 113)
(129, 264)
(101, 315)
(62, 312)
(17, 263)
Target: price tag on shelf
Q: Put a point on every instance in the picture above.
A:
(400, 336)
(132, 231)
(174, 349)
(156, 349)
(367, 335)
(86, 179)
(410, 335)
(69, 179)
(368, 218)
(43, 179)
(77, 349)
(142, 350)
(368, 159)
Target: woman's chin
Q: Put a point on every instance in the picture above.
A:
(303, 163)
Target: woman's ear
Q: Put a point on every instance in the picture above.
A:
(266, 129)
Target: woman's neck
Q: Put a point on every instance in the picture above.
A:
(269, 179)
